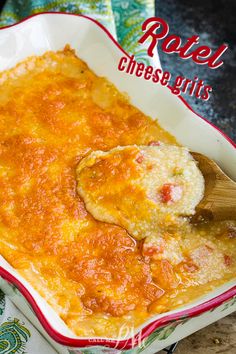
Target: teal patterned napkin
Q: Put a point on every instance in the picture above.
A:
(123, 19)
(17, 334)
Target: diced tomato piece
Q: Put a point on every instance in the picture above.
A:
(227, 260)
(170, 193)
(140, 158)
(154, 143)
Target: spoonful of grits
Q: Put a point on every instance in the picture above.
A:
(141, 188)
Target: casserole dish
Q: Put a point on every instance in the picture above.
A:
(90, 40)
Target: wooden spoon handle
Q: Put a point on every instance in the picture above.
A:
(220, 203)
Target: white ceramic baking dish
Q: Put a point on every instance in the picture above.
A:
(95, 45)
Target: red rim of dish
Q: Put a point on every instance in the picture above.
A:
(148, 329)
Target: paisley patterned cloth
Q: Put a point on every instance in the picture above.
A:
(17, 335)
(123, 18)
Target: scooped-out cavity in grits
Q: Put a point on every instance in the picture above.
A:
(145, 189)
(73, 149)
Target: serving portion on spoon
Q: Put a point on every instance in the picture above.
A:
(153, 192)
(144, 189)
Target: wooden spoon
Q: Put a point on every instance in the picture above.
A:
(219, 201)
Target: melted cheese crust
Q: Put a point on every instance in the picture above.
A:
(53, 111)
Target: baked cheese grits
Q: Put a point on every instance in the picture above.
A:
(100, 275)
